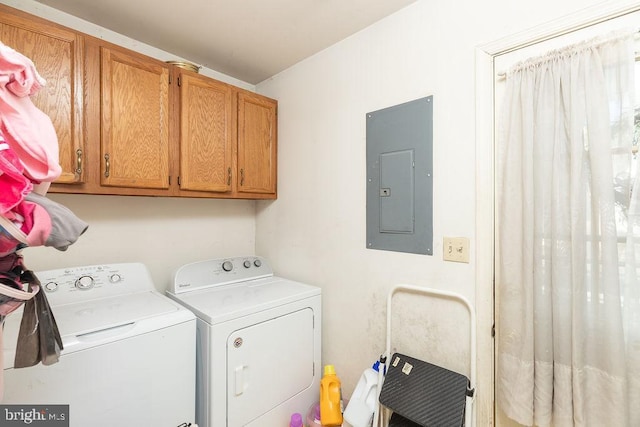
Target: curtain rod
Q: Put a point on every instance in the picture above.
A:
(502, 75)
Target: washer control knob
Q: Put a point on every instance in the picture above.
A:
(257, 263)
(227, 266)
(84, 282)
(51, 286)
(115, 278)
(247, 264)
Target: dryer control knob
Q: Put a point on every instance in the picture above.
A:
(257, 263)
(227, 266)
(247, 264)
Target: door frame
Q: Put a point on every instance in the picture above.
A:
(485, 180)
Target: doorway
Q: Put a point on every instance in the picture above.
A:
(492, 61)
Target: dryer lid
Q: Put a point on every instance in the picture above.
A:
(222, 303)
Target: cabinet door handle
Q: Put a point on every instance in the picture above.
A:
(229, 176)
(107, 166)
(242, 176)
(78, 161)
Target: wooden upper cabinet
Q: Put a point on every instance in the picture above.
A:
(257, 143)
(124, 128)
(206, 133)
(134, 120)
(57, 53)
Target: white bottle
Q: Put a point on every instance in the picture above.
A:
(362, 405)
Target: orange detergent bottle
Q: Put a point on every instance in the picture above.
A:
(330, 398)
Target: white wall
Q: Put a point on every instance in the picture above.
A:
(315, 231)
(162, 233)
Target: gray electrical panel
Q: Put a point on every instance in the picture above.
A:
(400, 177)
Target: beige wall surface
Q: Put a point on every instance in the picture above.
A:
(162, 233)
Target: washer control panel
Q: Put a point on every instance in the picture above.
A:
(68, 285)
(218, 272)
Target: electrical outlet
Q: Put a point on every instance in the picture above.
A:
(455, 249)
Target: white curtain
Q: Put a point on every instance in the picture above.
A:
(568, 226)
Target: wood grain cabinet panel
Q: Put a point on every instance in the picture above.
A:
(206, 134)
(257, 144)
(57, 54)
(134, 121)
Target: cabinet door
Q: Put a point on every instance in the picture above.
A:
(134, 120)
(57, 54)
(206, 134)
(257, 143)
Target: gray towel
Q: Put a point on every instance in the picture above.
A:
(66, 227)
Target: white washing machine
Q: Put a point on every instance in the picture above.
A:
(258, 346)
(129, 351)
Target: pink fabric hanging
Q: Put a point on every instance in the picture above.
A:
(1, 361)
(14, 186)
(28, 224)
(27, 129)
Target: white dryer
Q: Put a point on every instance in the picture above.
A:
(129, 351)
(258, 343)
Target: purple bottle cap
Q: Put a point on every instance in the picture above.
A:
(296, 420)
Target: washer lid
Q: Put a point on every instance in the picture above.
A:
(222, 303)
(96, 322)
(94, 315)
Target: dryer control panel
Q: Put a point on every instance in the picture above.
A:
(70, 285)
(218, 272)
